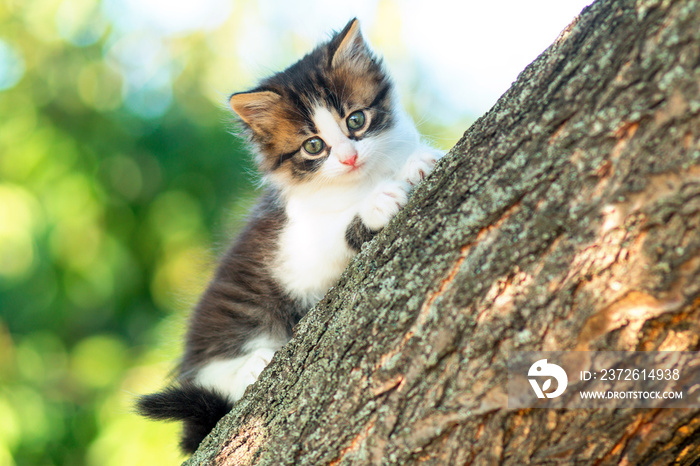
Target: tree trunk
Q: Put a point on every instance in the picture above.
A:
(567, 217)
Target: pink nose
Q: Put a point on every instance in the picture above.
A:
(350, 160)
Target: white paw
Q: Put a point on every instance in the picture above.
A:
(232, 376)
(419, 164)
(384, 203)
(255, 363)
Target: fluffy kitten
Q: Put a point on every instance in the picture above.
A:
(338, 157)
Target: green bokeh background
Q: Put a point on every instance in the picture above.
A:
(118, 190)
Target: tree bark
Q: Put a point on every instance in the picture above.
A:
(567, 217)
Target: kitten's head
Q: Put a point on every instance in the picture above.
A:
(327, 119)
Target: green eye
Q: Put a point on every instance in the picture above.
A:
(356, 120)
(314, 145)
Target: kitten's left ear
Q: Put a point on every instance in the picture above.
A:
(348, 45)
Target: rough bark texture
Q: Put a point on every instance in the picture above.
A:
(568, 217)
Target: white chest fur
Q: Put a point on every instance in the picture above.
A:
(313, 251)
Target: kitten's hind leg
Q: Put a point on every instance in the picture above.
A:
(216, 387)
(232, 376)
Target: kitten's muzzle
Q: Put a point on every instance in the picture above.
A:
(350, 159)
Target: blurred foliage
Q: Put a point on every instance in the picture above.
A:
(108, 213)
(119, 186)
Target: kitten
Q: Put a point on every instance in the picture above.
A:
(338, 158)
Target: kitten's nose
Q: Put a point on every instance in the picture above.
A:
(349, 159)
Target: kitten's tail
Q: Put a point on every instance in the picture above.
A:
(199, 408)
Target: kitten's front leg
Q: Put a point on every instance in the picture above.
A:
(419, 164)
(384, 203)
(390, 196)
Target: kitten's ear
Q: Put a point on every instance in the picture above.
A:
(251, 106)
(348, 45)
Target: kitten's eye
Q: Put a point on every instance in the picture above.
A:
(314, 145)
(356, 120)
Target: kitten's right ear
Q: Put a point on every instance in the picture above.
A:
(251, 106)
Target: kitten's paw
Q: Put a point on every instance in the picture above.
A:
(419, 164)
(256, 362)
(231, 377)
(249, 371)
(384, 203)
